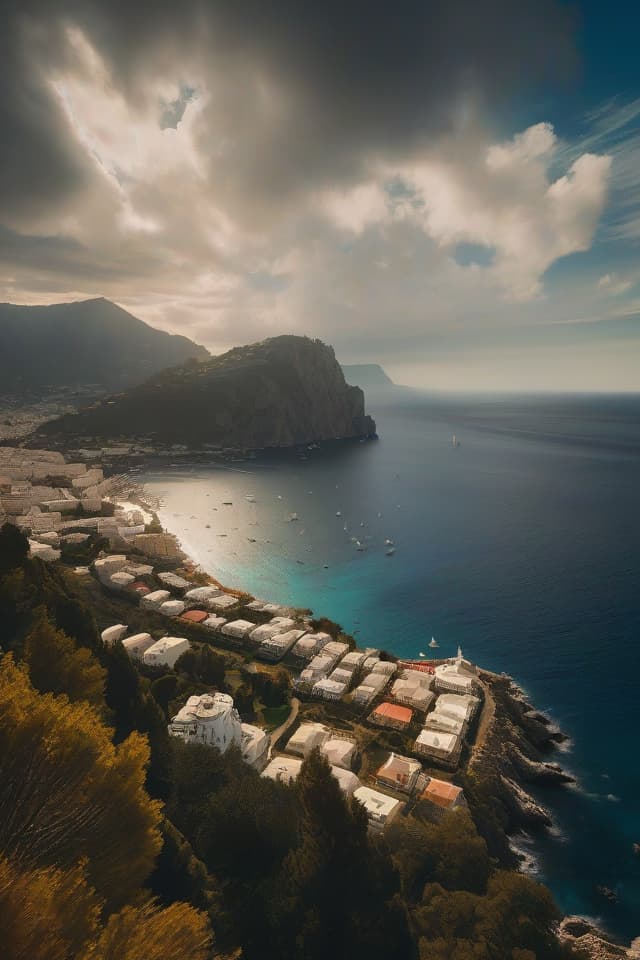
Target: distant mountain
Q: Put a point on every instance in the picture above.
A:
(366, 375)
(89, 343)
(280, 392)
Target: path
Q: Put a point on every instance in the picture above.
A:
(277, 733)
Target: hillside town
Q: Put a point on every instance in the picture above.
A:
(433, 707)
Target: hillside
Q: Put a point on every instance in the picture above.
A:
(89, 343)
(366, 375)
(280, 392)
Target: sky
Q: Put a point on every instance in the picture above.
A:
(450, 188)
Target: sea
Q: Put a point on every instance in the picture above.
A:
(519, 542)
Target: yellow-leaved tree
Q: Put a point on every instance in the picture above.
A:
(56, 665)
(78, 837)
(68, 794)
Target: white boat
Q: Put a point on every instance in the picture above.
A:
(433, 643)
(388, 542)
(338, 513)
(454, 441)
(390, 552)
(422, 654)
(279, 497)
(250, 498)
(293, 516)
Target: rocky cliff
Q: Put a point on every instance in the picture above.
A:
(278, 393)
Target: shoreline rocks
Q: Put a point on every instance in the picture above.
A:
(592, 943)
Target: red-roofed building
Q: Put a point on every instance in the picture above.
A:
(195, 616)
(391, 715)
(443, 796)
(140, 588)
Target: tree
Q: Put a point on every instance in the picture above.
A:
(164, 690)
(53, 914)
(337, 886)
(68, 794)
(14, 548)
(149, 933)
(57, 666)
(132, 708)
(45, 914)
(203, 665)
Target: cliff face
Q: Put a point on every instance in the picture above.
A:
(280, 392)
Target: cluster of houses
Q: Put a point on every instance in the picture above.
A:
(401, 775)
(56, 503)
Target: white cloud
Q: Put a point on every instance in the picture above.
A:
(614, 284)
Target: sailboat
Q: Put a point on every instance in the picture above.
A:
(454, 441)
(433, 643)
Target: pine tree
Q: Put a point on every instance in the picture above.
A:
(67, 794)
(57, 666)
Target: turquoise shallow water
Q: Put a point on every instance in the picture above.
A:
(521, 545)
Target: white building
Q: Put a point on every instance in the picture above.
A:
(155, 599)
(174, 581)
(237, 629)
(114, 633)
(214, 623)
(328, 689)
(283, 769)
(43, 551)
(120, 580)
(458, 705)
(254, 746)
(138, 644)
(166, 652)
(457, 675)
(380, 807)
(371, 686)
(171, 608)
(213, 720)
(311, 644)
(400, 773)
(413, 687)
(353, 660)
(197, 594)
(339, 751)
(210, 718)
(445, 722)
(437, 745)
(276, 647)
(307, 737)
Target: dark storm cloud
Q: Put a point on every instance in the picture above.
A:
(301, 93)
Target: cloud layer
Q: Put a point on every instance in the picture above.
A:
(235, 170)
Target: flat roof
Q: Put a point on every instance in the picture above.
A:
(195, 616)
(394, 712)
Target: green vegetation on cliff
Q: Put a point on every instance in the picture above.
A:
(280, 392)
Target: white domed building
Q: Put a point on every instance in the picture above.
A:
(212, 719)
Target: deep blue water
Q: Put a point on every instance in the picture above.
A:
(522, 545)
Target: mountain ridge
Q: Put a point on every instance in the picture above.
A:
(83, 343)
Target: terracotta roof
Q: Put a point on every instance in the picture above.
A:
(139, 587)
(195, 616)
(393, 712)
(441, 793)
